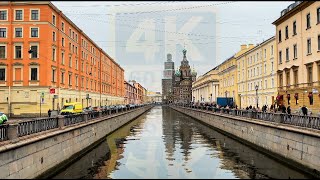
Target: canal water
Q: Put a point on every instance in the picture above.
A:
(164, 143)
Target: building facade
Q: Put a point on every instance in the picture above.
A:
(206, 88)
(46, 61)
(131, 93)
(228, 76)
(183, 79)
(167, 81)
(297, 51)
(257, 69)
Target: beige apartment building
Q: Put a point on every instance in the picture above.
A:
(206, 87)
(228, 86)
(298, 55)
(257, 80)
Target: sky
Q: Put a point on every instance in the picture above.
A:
(140, 34)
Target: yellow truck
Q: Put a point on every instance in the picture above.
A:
(71, 108)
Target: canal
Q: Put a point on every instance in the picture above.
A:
(164, 143)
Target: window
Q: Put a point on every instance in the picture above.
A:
(62, 41)
(280, 80)
(265, 53)
(72, 35)
(272, 50)
(265, 68)
(19, 15)
(287, 32)
(266, 84)
(3, 15)
(309, 46)
(280, 36)
(34, 74)
(53, 75)
(53, 36)
(3, 32)
(53, 19)
(62, 77)
(34, 50)
(34, 32)
(287, 54)
(280, 57)
(308, 21)
(76, 64)
(76, 37)
(318, 15)
(70, 76)
(34, 14)
(295, 76)
(18, 32)
(288, 78)
(62, 58)
(309, 69)
(318, 42)
(76, 81)
(294, 28)
(76, 50)
(53, 54)
(69, 32)
(272, 83)
(2, 52)
(72, 48)
(271, 66)
(62, 26)
(70, 61)
(18, 52)
(2, 74)
(295, 51)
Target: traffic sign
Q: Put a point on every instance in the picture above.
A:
(52, 90)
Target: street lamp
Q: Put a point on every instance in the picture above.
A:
(257, 87)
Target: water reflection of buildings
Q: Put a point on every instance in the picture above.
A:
(116, 146)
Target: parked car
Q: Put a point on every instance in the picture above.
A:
(97, 108)
(71, 108)
(3, 118)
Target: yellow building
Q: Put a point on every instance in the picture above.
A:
(228, 76)
(154, 97)
(257, 75)
(206, 87)
(298, 54)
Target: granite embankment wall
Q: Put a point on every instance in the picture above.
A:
(296, 146)
(38, 154)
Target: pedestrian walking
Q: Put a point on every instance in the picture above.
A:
(304, 110)
(49, 112)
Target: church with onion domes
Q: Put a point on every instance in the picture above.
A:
(182, 81)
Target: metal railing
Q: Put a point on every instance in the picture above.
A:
(93, 115)
(73, 119)
(19, 129)
(4, 132)
(292, 119)
(36, 125)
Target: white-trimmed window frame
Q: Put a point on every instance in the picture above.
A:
(76, 80)
(6, 33)
(38, 32)
(34, 66)
(38, 48)
(15, 32)
(14, 15)
(30, 15)
(70, 61)
(63, 26)
(54, 55)
(70, 79)
(5, 50)
(7, 14)
(54, 38)
(53, 75)
(5, 72)
(14, 50)
(62, 57)
(55, 19)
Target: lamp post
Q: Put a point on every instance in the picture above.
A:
(257, 87)
(211, 98)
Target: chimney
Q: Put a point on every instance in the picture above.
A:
(243, 46)
(251, 46)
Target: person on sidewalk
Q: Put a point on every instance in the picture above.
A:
(49, 113)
